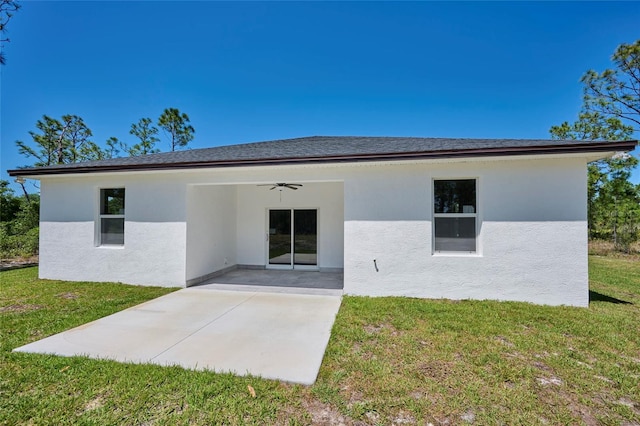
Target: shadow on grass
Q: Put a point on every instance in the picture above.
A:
(594, 296)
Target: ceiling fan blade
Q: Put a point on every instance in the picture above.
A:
(281, 185)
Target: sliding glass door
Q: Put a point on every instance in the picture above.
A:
(293, 238)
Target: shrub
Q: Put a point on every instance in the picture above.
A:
(21, 245)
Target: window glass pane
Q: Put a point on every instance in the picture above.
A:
(112, 231)
(455, 196)
(112, 201)
(280, 237)
(455, 234)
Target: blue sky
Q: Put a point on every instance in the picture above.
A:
(249, 72)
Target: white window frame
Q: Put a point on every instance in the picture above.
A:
(474, 215)
(98, 239)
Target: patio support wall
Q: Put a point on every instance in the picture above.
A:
(211, 229)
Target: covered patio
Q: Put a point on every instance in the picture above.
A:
(241, 233)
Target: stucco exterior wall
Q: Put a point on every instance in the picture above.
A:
(532, 235)
(155, 212)
(532, 241)
(211, 229)
(254, 203)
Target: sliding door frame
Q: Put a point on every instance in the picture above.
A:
(292, 265)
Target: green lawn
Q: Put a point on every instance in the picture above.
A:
(389, 360)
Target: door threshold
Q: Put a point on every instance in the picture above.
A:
(287, 268)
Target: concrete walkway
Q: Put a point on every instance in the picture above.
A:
(272, 334)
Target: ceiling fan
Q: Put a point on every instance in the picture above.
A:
(281, 186)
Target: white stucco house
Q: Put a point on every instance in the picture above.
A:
(419, 217)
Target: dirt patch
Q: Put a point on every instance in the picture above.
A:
(584, 414)
(375, 329)
(372, 416)
(551, 393)
(417, 395)
(363, 353)
(352, 396)
(504, 341)
(68, 296)
(325, 414)
(604, 379)
(20, 308)
(94, 404)
(437, 370)
(542, 366)
(546, 381)
(508, 384)
(356, 397)
(404, 418)
(584, 364)
(468, 417)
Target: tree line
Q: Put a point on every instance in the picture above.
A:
(611, 111)
(69, 139)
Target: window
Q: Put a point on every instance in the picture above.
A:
(111, 222)
(454, 215)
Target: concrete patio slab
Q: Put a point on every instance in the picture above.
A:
(276, 335)
(306, 280)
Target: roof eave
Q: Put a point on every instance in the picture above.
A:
(622, 146)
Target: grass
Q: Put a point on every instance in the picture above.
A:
(389, 360)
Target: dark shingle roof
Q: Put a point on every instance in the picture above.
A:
(330, 149)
